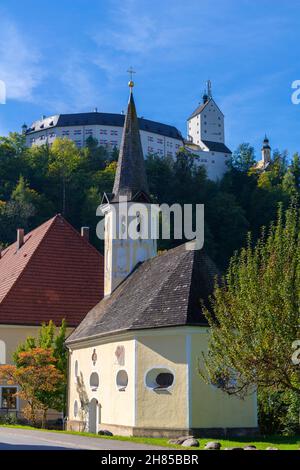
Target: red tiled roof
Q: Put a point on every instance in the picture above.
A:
(56, 274)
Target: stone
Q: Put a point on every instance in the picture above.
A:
(250, 447)
(234, 448)
(213, 446)
(190, 443)
(179, 440)
(104, 432)
(272, 448)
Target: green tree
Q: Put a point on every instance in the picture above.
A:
(243, 158)
(254, 314)
(64, 161)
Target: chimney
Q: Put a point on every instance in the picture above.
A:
(85, 233)
(20, 238)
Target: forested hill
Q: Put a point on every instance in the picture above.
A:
(39, 182)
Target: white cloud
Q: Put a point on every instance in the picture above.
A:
(19, 62)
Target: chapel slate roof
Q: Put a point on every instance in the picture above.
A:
(102, 119)
(56, 274)
(164, 291)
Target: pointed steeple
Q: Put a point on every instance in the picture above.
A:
(130, 178)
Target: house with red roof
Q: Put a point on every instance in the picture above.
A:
(52, 273)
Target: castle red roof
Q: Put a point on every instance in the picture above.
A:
(56, 274)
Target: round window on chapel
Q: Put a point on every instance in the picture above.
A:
(159, 379)
(94, 381)
(164, 380)
(122, 380)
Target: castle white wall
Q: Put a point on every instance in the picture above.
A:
(107, 136)
(207, 125)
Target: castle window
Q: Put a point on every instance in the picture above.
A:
(94, 381)
(122, 380)
(159, 379)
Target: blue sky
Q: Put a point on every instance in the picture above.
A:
(72, 55)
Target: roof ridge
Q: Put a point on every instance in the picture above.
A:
(20, 275)
(85, 240)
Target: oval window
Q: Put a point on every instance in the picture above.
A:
(165, 379)
(159, 379)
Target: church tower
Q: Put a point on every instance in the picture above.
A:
(131, 221)
(266, 152)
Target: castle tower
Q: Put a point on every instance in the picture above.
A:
(266, 152)
(131, 221)
(206, 123)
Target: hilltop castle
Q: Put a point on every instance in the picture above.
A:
(205, 133)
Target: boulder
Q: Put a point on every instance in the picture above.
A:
(190, 443)
(104, 432)
(213, 446)
(179, 440)
(250, 447)
(234, 448)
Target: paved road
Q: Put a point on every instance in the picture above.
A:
(23, 439)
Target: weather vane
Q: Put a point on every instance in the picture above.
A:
(131, 72)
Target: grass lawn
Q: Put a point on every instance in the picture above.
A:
(281, 442)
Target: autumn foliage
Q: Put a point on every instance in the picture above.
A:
(36, 376)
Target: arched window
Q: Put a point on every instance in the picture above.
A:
(2, 352)
(94, 381)
(76, 370)
(159, 379)
(122, 380)
(75, 408)
(138, 222)
(123, 226)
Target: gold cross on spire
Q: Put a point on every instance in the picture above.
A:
(131, 82)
